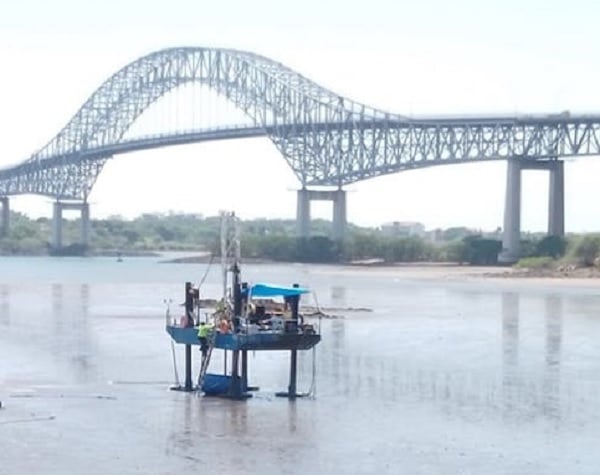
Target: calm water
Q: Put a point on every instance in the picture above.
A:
(443, 376)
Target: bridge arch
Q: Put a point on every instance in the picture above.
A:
(277, 99)
(326, 139)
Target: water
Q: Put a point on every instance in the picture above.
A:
(447, 374)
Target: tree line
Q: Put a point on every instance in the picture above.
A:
(276, 239)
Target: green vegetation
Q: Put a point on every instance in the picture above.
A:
(541, 262)
(584, 250)
(558, 252)
(276, 239)
(478, 250)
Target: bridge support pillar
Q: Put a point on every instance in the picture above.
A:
(57, 237)
(512, 210)
(512, 214)
(57, 225)
(556, 203)
(339, 214)
(303, 213)
(85, 224)
(4, 224)
(338, 197)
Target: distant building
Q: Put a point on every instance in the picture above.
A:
(436, 235)
(403, 229)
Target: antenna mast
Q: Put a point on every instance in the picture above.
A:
(230, 248)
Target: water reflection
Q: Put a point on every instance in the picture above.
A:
(338, 296)
(510, 352)
(238, 420)
(257, 431)
(57, 309)
(554, 316)
(71, 329)
(551, 383)
(510, 331)
(523, 392)
(339, 357)
(181, 439)
(82, 359)
(4, 304)
(521, 380)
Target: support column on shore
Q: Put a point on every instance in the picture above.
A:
(84, 210)
(512, 213)
(556, 204)
(85, 224)
(339, 214)
(338, 197)
(57, 225)
(303, 213)
(5, 216)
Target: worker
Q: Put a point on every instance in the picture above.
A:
(224, 326)
(203, 331)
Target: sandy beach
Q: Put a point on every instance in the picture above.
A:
(463, 273)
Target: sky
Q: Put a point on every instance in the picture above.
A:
(431, 57)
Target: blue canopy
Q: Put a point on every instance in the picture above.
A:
(268, 290)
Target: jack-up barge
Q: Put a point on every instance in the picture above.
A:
(242, 322)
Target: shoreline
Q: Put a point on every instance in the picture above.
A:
(442, 271)
(417, 270)
(584, 277)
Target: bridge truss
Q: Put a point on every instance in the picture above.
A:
(326, 139)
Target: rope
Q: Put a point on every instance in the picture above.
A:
(312, 389)
(177, 383)
(212, 256)
(168, 322)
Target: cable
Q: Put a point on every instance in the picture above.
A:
(177, 383)
(212, 256)
(168, 322)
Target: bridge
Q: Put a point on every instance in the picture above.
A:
(326, 139)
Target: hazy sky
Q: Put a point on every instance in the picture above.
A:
(421, 58)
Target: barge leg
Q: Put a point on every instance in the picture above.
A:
(291, 392)
(244, 368)
(293, 367)
(237, 390)
(188, 368)
(245, 373)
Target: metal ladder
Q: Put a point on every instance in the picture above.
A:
(206, 361)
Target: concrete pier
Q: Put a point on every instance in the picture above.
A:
(338, 197)
(56, 225)
(339, 214)
(556, 203)
(512, 210)
(303, 213)
(4, 224)
(512, 213)
(58, 208)
(85, 223)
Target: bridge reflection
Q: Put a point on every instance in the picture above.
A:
(72, 340)
(524, 381)
(4, 304)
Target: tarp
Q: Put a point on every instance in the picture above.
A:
(268, 290)
(215, 384)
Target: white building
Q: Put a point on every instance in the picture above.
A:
(404, 228)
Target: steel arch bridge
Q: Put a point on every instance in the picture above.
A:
(326, 139)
